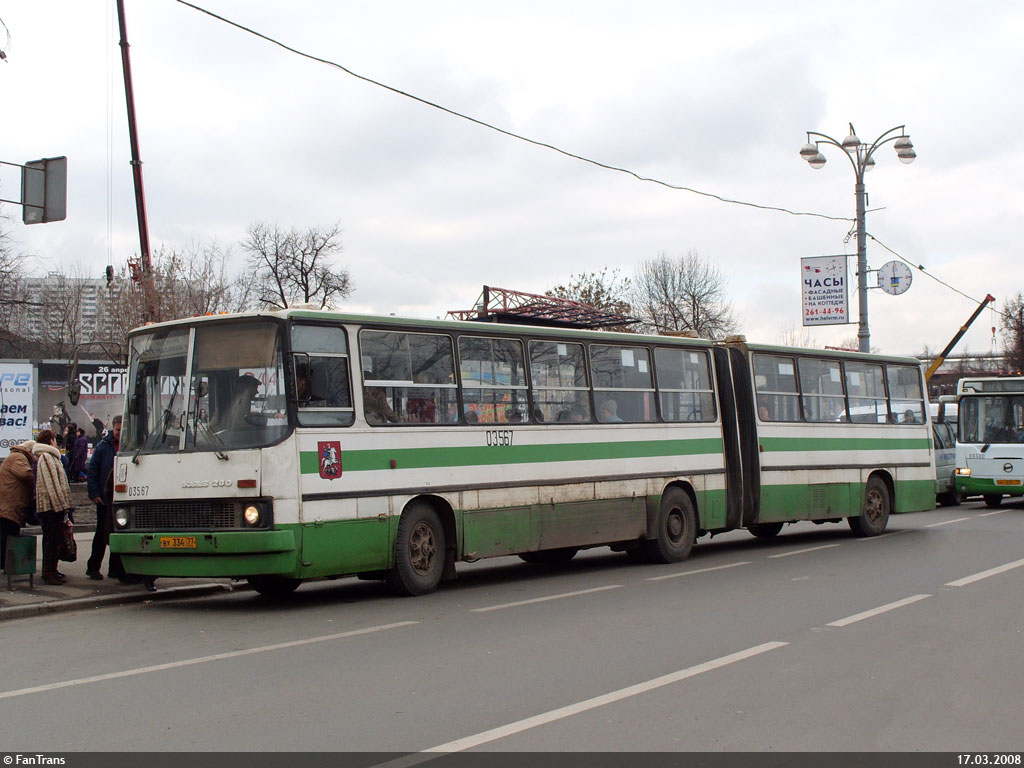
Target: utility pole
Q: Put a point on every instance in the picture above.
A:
(152, 311)
(861, 156)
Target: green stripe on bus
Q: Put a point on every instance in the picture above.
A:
(468, 456)
(845, 443)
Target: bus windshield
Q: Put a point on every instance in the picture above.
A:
(205, 389)
(992, 419)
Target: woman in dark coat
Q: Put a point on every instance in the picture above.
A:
(78, 461)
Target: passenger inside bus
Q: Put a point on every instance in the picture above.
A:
(241, 404)
(376, 406)
(608, 412)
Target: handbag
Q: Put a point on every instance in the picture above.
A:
(68, 551)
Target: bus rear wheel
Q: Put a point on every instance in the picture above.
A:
(875, 515)
(993, 500)
(677, 528)
(273, 586)
(419, 552)
(550, 556)
(765, 530)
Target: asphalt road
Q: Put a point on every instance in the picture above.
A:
(815, 640)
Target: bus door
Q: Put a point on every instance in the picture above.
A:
(749, 444)
(739, 436)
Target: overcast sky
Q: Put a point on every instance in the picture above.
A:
(713, 96)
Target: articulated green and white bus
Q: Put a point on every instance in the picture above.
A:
(279, 447)
(990, 439)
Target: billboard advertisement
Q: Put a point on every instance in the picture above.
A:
(17, 414)
(826, 300)
(103, 387)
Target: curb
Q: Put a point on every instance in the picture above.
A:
(56, 606)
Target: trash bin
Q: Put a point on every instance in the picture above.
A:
(20, 559)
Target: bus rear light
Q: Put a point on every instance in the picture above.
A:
(121, 488)
(963, 471)
(250, 483)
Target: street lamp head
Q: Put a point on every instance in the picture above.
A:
(808, 151)
(817, 162)
(904, 149)
(906, 156)
(851, 142)
(869, 164)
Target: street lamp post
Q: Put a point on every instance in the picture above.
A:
(861, 157)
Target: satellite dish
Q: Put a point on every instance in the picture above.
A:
(894, 277)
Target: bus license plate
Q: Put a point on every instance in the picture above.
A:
(1007, 482)
(178, 542)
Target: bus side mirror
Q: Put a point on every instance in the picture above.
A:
(133, 405)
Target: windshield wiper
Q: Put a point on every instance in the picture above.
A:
(168, 416)
(210, 433)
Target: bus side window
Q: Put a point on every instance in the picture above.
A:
(323, 389)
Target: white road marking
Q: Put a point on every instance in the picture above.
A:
(985, 574)
(202, 660)
(699, 570)
(801, 551)
(543, 599)
(519, 726)
(946, 522)
(989, 514)
(875, 611)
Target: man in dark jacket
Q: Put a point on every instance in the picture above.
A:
(100, 477)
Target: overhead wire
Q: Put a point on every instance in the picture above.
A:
(923, 270)
(504, 131)
(552, 147)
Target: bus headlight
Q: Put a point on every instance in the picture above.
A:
(253, 515)
(121, 517)
(963, 471)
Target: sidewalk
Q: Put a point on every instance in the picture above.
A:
(79, 591)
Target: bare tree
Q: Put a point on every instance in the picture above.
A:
(791, 336)
(1013, 332)
(683, 293)
(601, 290)
(191, 281)
(293, 267)
(60, 329)
(14, 304)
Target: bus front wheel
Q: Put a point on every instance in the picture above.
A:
(993, 500)
(419, 552)
(875, 516)
(677, 528)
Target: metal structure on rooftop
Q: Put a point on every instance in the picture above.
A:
(502, 305)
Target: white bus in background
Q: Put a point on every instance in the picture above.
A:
(990, 438)
(943, 415)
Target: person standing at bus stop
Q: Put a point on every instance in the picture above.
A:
(17, 486)
(99, 479)
(54, 506)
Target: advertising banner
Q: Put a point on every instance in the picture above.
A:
(103, 388)
(17, 415)
(826, 300)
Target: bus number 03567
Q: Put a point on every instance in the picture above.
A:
(499, 437)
